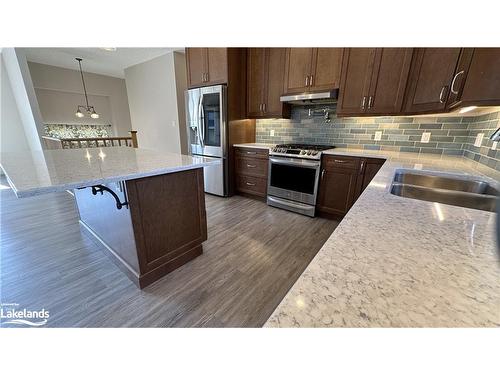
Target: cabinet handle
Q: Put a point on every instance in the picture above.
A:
(202, 77)
(363, 102)
(323, 174)
(307, 81)
(251, 153)
(311, 80)
(441, 94)
(340, 161)
(250, 184)
(453, 82)
(251, 166)
(264, 107)
(370, 102)
(208, 77)
(362, 166)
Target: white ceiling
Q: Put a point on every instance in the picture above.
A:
(96, 60)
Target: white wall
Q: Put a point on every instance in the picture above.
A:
(107, 94)
(12, 136)
(59, 107)
(156, 100)
(16, 69)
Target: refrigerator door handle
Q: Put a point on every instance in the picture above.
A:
(200, 121)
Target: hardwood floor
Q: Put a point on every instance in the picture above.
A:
(253, 255)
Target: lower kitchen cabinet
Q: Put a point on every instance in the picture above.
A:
(251, 169)
(370, 167)
(342, 181)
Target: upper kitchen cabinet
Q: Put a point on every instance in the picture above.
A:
(373, 81)
(312, 69)
(265, 73)
(477, 78)
(431, 74)
(206, 66)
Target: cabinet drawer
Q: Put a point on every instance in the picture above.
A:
(251, 185)
(251, 166)
(252, 152)
(344, 162)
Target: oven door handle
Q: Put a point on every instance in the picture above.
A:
(296, 163)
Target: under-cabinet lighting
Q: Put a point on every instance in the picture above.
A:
(467, 109)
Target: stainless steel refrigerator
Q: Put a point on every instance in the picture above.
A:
(206, 112)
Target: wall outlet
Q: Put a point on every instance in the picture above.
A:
(426, 137)
(479, 140)
(494, 145)
(272, 132)
(174, 124)
(378, 136)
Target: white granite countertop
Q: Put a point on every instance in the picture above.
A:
(263, 146)
(40, 172)
(400, 262)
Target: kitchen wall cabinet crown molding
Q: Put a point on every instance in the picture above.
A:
(265, 74)
(373, 81)
(312, 69)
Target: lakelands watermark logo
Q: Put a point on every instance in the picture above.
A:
(12, 314)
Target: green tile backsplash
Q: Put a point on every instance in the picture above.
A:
(449, 135)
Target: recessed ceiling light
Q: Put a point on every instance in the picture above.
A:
(467, 109)
(109, 49)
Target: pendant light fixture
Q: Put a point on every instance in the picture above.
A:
(88, 108)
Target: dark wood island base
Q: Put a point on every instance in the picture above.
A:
(161, 225)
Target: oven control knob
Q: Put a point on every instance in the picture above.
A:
(309, 152)
(315, 153)
(302, 152)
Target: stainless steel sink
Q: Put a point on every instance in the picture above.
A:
(456, 191)
(447, 183)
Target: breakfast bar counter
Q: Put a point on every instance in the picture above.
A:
(147, 208)
(401, 262)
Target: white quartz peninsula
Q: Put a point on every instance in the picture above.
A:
(147, 208)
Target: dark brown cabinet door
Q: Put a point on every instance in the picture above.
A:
(275, 71)
(482, 82)
(196, 66)
(388, 82)
(369, 169)
(265, 74)
(326, 66)
(355, 80)
(217, 65)
(256, 80)
(337, 190)
(297, 69)
(431, 74)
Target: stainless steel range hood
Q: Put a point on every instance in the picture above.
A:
(311, 98)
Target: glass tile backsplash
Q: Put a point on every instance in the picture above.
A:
(449, 135)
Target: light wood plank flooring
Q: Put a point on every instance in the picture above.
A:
(253, 255)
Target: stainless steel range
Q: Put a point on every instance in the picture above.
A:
(293, 177)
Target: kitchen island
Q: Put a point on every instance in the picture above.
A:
(400, 262)
(147, 208)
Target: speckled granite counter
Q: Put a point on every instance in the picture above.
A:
(39, 172)
(400, 262)
(263, 146)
